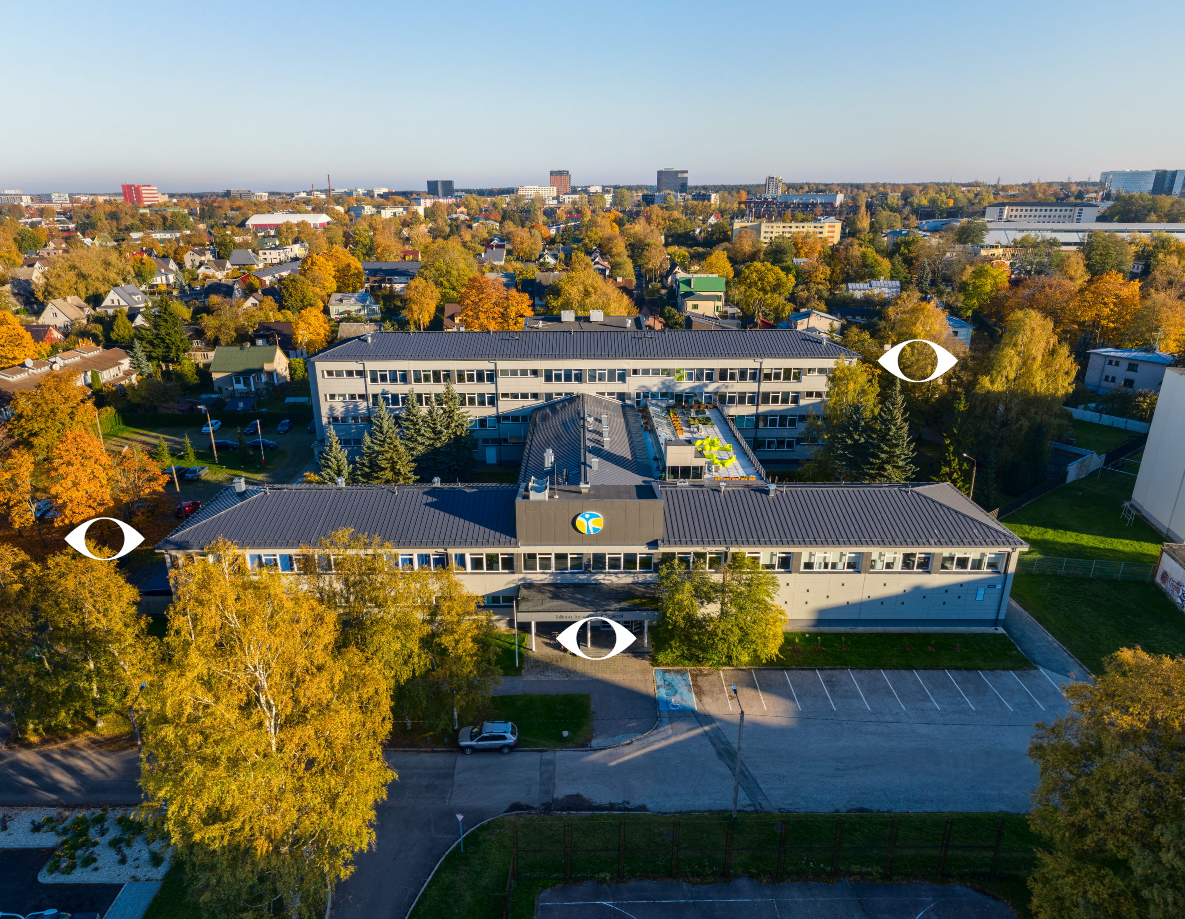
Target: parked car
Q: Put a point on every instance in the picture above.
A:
(255, 427)
(185, 508)
(261, 442)
(226, 444)
(179, 470)
(312, 428)
(490, 735)
(45, 509)
(197, 472)
(284, 426)
(211, 427)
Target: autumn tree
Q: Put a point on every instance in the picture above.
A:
(844, 429)
(980, 285)
(761, 291)
(1111, 794)
(582, 290)
(1107, 304)
(263, 738)
(72, 647)
(137, 482)
(420, 299)
(448, 266)
(296, 293)
(1158, 323)
(311, 329)
(18, 488)
(908, 318)
(40, 416)
(718, 264)
(487, 305)
(86, 273)
(1106, 252)
(16, 344)
(79, 477)
(347, 270)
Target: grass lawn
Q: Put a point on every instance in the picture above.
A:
(469, 883)
(542, 719)
(1093, 617)
(172, 900)
(1098, 437)
(504, 640)
(901, 651)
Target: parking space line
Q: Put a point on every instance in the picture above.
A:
(996, 691)
(792, 692)
(725, 685)
(960, 689)
(1048, 677)
(759, 693)
(894, 692)
(691, 687)
(824, 685)
(859, 690)
(919, 676)
(1026, 689)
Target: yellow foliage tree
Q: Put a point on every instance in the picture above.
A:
(717, 263)
(1107, 304)
(137, 481)
(420, 299)
(42, 415)
(79, 476)
(487, 305)
(16, 344)
(581, 289)
(310, 329)
(1158, 323)
(18, 491)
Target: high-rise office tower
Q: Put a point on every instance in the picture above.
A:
(142, 195)
(773, 186)
(672, 180)
(440, 188)
(561, 181)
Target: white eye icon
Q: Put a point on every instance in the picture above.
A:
(570, 638)
(890, 360)
(76, 539)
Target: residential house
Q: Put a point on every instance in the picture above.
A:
(65, 313)
(451, 312)
(24, 281)
(271, 275)
(392, 277)
(228, 290)
(960, 329)
(812, 320)
(495, 252)
(166, 273)
(113, 365)
(1109, 369)
(201, 351)
(279, 334)
(125, 297)
(702, 294)
(886, 289)
(245, 368)
(44, 334)
(195, 258)
(354, 329)
(278, 255)
(359, 304)
(244, 259)
(215, 268)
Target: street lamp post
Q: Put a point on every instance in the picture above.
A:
(259, 434)
(736, 773)
(210, 425)
(132, 712)
(974, 468)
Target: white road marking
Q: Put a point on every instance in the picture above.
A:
(1048, 677)
(960, 689)
(926, 910)
(1026, 689)
(691, 687)
(759, 694)
(792, 692)
(919, 676)
(859, 690)
(725, 685)
(824, 685)
(996, 691)
(891, 689)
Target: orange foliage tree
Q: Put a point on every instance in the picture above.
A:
(1107, 304)
(18, 491)
(16, 344)
(310, 329)
(79, 474)
(487, 305)
(137, 481)
(41, 416)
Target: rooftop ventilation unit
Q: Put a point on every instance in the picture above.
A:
(435, 480)
(240, 485)
(548, 458)
(567, 315)
(341, 483)
(596, 315)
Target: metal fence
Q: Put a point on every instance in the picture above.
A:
(1085, 568)
(775, 848)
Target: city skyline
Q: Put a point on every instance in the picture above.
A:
(894, 101)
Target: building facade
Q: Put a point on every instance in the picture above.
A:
(767, 382)
(1143, 181)
(1043, 212)
(773, 186)
(1160, 485)
(440, 188)
(1109, 369)
(546, 192)
(271, 222)
(828, 229)
(561, 181)
(142, 195)
(672, 180)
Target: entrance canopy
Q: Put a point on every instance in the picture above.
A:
(573, 602)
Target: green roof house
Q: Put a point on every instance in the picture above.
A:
(701, 294)
(243, 368)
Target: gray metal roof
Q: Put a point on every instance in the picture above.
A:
(409, 516)
(722, 345)
(563, 426)
(894, 516)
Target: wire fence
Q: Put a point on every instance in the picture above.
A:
(775, 848)
(1085, 568)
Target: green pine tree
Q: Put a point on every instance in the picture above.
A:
(96, 381)
(451, 456)
(333, 463)
(188, 456)
(985, 483)
(891, 457)
(413, 426)
(376, 443)
(161, 454)
(396, 463)
(849, 444)
(123, 333)
(140, 362)
(953, 468)
(166, 341)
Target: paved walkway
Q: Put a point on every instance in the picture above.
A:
(1039, 646)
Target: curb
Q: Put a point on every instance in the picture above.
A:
(436, 867)
(1085, 670)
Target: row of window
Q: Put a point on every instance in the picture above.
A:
(590, 561)
(570, 375)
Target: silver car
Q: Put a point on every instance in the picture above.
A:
(490, 735)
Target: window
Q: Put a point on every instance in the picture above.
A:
(647, 372)
(743, 421)
(972, 561)
(342, 374)
(779, 421)
(886, 561)
(776, 561)
(491, 561)
(476, 398)
(345, 397)
(279, 562)
(770, 443)
(518, 372)
(602, 561)
(432, 560)
(1133, 367)
(831, 561)
(499, 599)
(521, 396)
(779, 398)
(685, 472)
(1129, 384)
(407, 560)
(559, 561)
(814, 394)
(388, 376)
(781, 375)
(737, 375)
(915, 561)
(563, 376)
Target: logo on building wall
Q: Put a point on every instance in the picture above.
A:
(570, 637)
(590, 523)
(76, 539)
(890, 360)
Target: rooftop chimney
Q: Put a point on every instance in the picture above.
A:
(240, 485)
(773, 489)
(341, 483)
(548, 458)
(435, 480)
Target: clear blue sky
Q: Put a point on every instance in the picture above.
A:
(276, 95)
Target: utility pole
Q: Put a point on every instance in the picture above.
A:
(974, 467)
(736, 773)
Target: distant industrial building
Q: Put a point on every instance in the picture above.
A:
(273, 221)
(440, 188)
(546, 192)
(672, 180)
(1143, 181)
(561, 181)
(53, 197)
(1043, 211)
(142, 195)
(827, 228)
(1072, 235)
(15, 196)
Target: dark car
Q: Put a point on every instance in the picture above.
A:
(491, 735)
(179, 470)
(312, 428)
(260, 442)
(255, 427)
(226, 444)
(185, 508)
(284, 426)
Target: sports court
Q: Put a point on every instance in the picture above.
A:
(747, 899)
